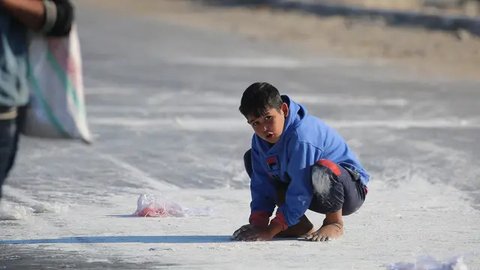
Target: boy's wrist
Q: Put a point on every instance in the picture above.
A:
(274, 228)
(259, 219)
(277, 225)
(280, 221)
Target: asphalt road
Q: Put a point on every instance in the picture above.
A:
(163, 106)
(161, 89)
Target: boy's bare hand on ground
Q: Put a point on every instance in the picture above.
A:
(251, 233)
(240, 231)
(326, 232)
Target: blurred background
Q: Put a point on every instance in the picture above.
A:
(399, 79)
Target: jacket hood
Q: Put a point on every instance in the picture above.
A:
(296, 114)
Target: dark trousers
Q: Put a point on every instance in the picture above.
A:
(9, 134)
(344, 191)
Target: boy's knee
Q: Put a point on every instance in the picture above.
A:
(328, 190)
(335, 188)
(324, 173)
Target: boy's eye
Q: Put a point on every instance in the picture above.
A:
(268, 117)
(254, 124)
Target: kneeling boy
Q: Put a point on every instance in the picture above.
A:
(296, 163)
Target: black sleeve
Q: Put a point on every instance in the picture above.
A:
(62, 19)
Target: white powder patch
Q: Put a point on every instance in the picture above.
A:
(321, 181)
(14, 212)
(428, 262)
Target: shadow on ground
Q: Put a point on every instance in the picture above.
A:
(176, 239)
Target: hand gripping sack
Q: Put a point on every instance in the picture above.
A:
(57, 104)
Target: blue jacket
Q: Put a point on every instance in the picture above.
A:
(305, 140)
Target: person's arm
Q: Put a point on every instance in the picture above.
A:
(300, 190)
(52, 17)
(59, 17)
(263, 194)
(261, 206)
(31, 13)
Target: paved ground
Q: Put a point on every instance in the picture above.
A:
(419, 51)
(163, 87)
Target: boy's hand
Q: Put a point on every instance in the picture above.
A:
(252, 233)
(241, 230)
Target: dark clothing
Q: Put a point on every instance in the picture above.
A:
(14, 72)
(63, 20)
(8, 143)
(346, 191)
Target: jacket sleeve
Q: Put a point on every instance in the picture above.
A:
(300, 190)
(263, 193)
(59, 17)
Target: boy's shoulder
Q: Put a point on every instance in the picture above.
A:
(311, 130)
(311, 124)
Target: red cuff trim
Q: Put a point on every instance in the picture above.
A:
(331, 165)
(259, 218)
(280, 220)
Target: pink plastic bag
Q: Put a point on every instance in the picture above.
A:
(150, 206)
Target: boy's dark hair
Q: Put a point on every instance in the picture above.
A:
(258, 98)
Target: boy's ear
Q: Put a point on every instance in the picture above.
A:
(284, 109)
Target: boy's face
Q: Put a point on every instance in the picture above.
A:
(269, 126)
